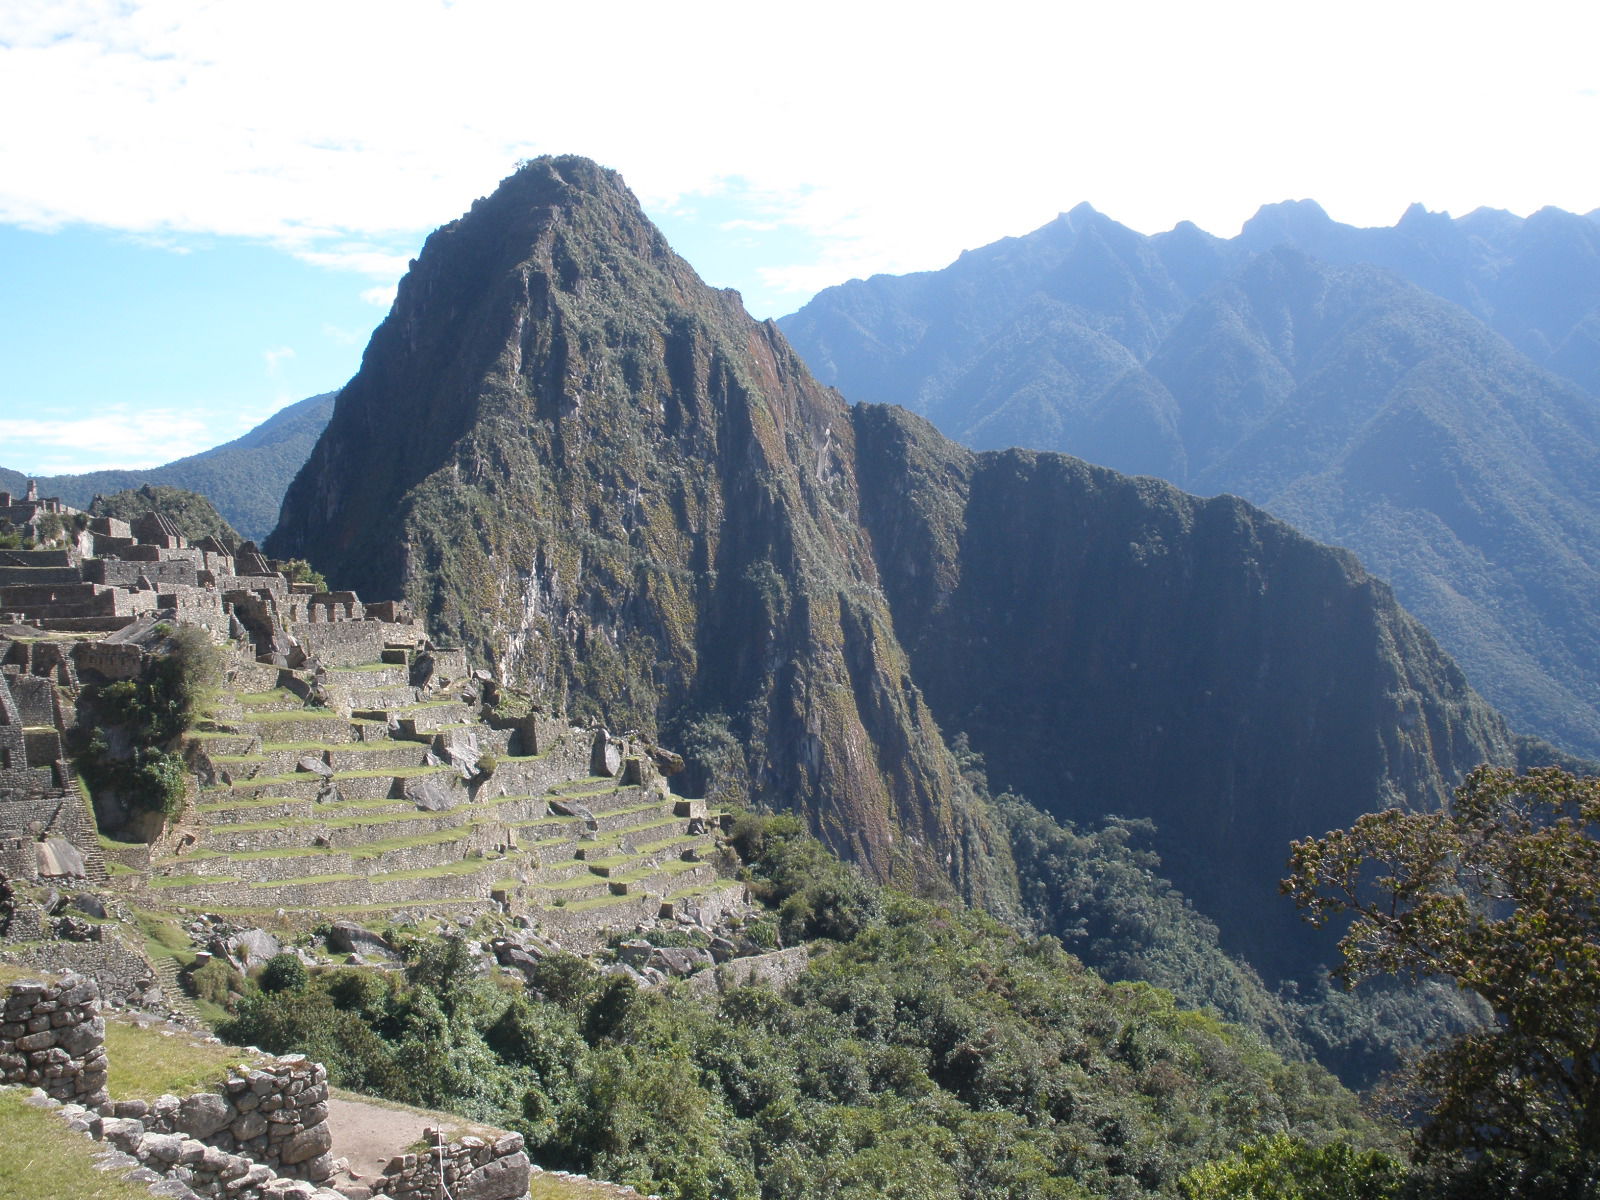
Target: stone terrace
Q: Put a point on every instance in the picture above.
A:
(376, 786)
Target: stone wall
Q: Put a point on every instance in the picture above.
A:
(35, 696)
(200, 1169)
(468, 1169)
(127, 572)
(275, 1114)
(53, 1037)
(342, 643)
(121, 972)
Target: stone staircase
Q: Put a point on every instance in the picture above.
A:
(177, 999)
(382, 796)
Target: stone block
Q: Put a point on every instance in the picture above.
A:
(203, 1115)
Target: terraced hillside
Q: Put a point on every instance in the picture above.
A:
(354, 790)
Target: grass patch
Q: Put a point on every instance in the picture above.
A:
(41, 1160)
(164, 937)
(145, 1064)
(294, 714)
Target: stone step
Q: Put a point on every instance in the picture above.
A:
(165, 970)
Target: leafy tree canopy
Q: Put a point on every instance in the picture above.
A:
(1499, 891)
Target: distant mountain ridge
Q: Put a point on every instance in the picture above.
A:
(244, 478)
(1357, 382)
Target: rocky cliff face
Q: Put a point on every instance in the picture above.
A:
(623, 492)
(1113, 645)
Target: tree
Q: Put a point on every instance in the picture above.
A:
(1499, 891)
(1288, 1168)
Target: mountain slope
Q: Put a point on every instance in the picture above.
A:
(1360, 407)
(244, 478)
(630, 497)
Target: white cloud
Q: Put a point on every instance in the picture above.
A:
(275, 356)
(891, 136)
(344, 337)
(383, 297)
(112, 436)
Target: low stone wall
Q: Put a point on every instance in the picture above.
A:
(469, 1169)
(204, 1170)
(275, 1114)
(53, 1037)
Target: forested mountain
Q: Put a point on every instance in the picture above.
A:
(627, 495)
(1417, 394)
(244, 478)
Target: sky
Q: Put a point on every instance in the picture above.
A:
(205, 207)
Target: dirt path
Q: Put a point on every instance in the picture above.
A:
(368, 1134)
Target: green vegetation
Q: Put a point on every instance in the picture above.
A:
(1288, 1168)
(1500, 892)
(193, 514)
(41, 1161)
(298, 570)
(927, 1052)
(145, 716)
(283, 973)
(145, 1064)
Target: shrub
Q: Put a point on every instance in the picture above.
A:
(283, 973)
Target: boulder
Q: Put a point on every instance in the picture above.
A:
(346, 937)
(253, 947)
(57, 857)
(428, 794)
(606, 756)
(202, 1115)
(636, 952)
(315, 766)
(571, 808)
(90, 905)
(502, 1179)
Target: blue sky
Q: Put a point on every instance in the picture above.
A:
(205, 205)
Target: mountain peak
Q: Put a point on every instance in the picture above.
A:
(1286, 221)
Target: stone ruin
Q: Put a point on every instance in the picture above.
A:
(262, 1135)
(110, 595)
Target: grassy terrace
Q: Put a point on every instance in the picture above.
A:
(293, 714)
